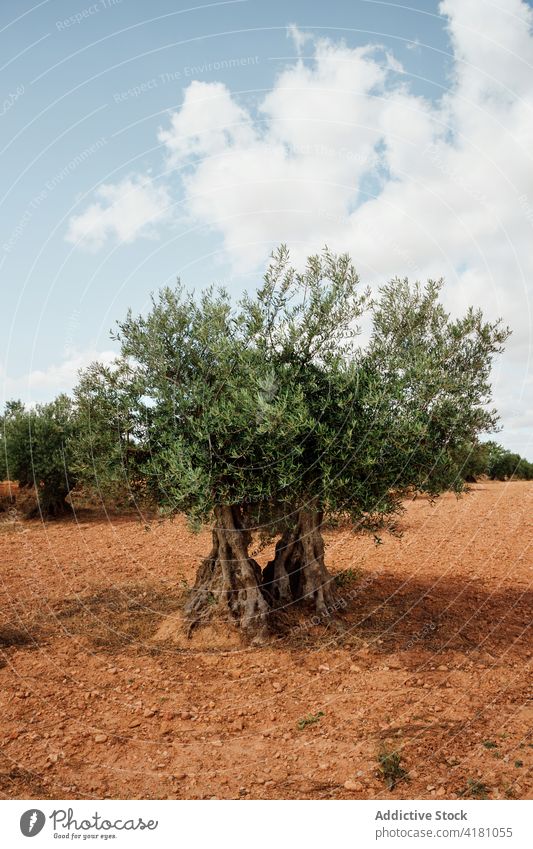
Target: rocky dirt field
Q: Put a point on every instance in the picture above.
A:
(425, 693)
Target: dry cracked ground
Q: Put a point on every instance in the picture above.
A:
(425, 692)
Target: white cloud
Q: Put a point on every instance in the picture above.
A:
(343, 151)
(281, 175)
(43, 384)
(298, 38)
(492, 46)
(126, 210)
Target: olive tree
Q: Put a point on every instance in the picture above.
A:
(505, 465)
(269, 415)
(37, 448)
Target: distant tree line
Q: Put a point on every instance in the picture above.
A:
(37, 448)
(496, 462)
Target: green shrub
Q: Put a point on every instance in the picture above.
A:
(37, 451)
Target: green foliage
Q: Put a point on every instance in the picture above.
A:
(36, 448)
(385, 418)
(503, 464)
(347, 577)
(495, 461)
(111, 447)
(214, 436)
(472, 460)
(475, 789)
(390, 767)
(435, 380)
(270, 404)
(310, 719)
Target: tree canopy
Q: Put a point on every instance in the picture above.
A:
(36, 450)
(269, 415)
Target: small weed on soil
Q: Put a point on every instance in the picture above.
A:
(390, 767)
(310, 719)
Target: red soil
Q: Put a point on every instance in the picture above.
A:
(100, 695)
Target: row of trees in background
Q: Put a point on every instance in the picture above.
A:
(495, 462)
(37, 448)
(267, 417)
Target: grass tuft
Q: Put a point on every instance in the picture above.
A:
(310, 719)
(390, 765)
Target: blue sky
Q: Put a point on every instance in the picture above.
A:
(140, 142)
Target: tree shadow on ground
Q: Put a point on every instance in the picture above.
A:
(406, 613)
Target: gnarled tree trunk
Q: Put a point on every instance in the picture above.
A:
(298, 570)
(228, 580)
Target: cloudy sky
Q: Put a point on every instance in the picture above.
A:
(140, 142)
